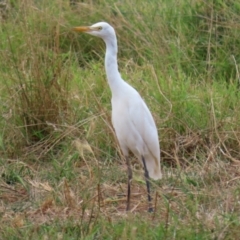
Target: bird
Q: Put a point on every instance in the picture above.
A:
(132, 120)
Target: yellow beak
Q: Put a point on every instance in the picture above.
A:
(82, 29)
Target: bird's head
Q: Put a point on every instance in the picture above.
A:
(100, 29)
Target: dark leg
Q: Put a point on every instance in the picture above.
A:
(129, 183)
(150, 209)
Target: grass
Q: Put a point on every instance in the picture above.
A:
(62, 173)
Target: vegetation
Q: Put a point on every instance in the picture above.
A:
(62, 175)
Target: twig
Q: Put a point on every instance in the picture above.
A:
(155, 206)
(236, 66)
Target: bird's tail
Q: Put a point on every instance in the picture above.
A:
(153, 167)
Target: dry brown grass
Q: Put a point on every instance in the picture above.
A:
(201, 193)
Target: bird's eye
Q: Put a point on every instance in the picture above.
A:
(99, 28)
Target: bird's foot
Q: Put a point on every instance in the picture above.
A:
(150, 209)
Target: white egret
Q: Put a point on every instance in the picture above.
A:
(132, 121)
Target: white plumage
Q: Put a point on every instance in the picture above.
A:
(133, 123)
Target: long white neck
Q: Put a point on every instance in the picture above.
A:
(111, 65)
